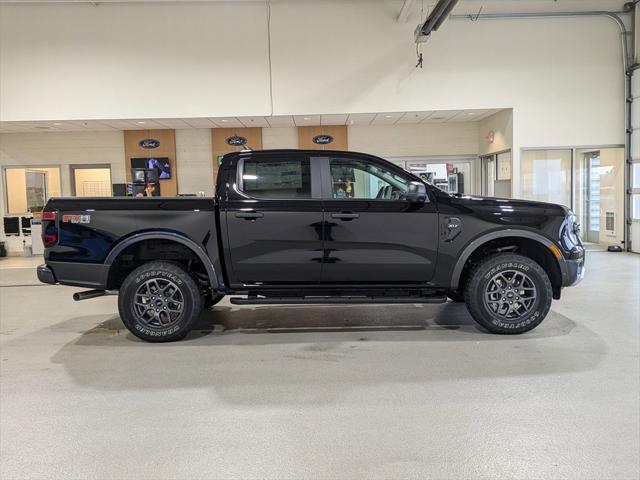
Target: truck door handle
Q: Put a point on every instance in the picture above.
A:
(249, 215)
(346, 216)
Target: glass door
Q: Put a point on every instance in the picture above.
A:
(489, 175)
(591, 196)
(599, 194)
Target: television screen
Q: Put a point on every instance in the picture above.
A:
(162, 165)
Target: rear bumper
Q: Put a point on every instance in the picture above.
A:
(89, 275)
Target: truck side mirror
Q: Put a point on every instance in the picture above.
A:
(416, 192)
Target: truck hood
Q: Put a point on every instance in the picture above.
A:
(507, 207)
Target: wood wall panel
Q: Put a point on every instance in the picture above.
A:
(220, 146)
(167, 148)
(338, 132)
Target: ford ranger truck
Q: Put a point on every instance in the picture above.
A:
(312, 227)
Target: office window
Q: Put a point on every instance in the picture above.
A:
(28, 189)
(546, 176)
(360, 179)
(277, 178)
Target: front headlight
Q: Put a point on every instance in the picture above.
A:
(572, 224)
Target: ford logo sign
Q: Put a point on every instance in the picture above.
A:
(322, 139)
(236, 140)
(149, 143)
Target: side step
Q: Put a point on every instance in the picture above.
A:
(321, 300)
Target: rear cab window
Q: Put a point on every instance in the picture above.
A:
(276, 177)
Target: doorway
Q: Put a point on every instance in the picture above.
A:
(91, 180)
(599, 194)
(495, 174)
(591, 197)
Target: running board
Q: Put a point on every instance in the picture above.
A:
(252, 300)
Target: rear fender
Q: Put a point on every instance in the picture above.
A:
(175, 237)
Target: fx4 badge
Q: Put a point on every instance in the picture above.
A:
(76, 218)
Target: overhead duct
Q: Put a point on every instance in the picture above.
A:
(440, 12)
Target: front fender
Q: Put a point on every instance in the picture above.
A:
(474, 244)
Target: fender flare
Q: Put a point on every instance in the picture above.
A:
(470, 248)
(187, 242)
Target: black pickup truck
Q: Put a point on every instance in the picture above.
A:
(314, 227)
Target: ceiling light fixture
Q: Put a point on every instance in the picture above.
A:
(224, 120)
(140, 123)
(307, 118)
(387, 116)
(56, 124)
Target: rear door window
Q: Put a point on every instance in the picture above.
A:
(280, 177)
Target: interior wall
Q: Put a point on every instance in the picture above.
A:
(280, 137)
(193, 154)
(60, 149)
(220, 146)
(501, 124)
(166, 148)
(339, 134)
(410, 140)
(133, 60)
(367, 64)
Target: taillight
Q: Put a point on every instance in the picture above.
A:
(49, 228)
(49, 240)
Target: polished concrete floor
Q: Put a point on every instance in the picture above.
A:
(322, 392)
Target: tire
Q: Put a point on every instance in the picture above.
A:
(508, 293)
(177, 298)
(456, 296)
(211, 299)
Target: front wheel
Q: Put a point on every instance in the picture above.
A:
(159, 302)
(508, 293)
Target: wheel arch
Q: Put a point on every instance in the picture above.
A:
(137, 238)
(479, 243)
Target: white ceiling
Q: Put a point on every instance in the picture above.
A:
(385, 118)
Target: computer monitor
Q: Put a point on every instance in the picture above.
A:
(139, 175)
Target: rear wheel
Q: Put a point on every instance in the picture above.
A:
(508, 293)
(159, 302)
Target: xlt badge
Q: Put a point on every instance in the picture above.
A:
(452, 228)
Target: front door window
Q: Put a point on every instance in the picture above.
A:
(355, 179)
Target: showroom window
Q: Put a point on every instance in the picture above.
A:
(91, 180)
(364, 180)
(546, 175)
(28, 189)
(590, 181)
(278, 178)
(450, 174)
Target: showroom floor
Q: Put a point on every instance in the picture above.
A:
(322, 392)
